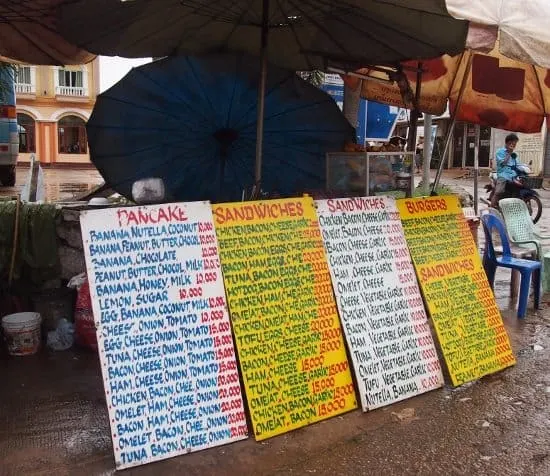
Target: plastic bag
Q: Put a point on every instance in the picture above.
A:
(63, 337)
(85, 335)
(77, 281)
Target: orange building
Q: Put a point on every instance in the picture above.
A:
(53, 106)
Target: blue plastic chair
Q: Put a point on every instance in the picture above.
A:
(525, 267)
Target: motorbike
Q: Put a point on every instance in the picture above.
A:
(521, 190)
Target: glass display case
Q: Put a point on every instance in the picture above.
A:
(370, 173)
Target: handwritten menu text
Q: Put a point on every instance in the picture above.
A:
(460, 301)
(285, 321)
(166, 350)
(382, 311)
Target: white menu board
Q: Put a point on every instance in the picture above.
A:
(165, 345)
(380, 304)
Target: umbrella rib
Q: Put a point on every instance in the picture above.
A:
(319, 26)
(288, 111)
(148, 169)
(294, 33)
(268, 93)
(212, 19)
(540, 88)
(231, 101)
(242, 161)
(145, 108)
(132, 128)
(224, 11)
(396, 30)
(147, 149)
(32, 20)
(236, 24)
(237, 179)
(281, 145)
(299, 131)
(453, 82)
(177, 96)
(33, 42)
(358, 13)
(130, 20)
(205, 96)
(366, 33)
(411, 6)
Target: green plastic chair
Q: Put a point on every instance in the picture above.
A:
(517, 252)
(521, 229)
(525, 234)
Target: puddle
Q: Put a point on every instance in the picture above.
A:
(60, 184)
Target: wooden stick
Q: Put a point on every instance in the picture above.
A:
(15, 236)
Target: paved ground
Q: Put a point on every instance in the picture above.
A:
(53, 421)
(60, 184)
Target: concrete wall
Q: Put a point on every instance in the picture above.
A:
(71, 251)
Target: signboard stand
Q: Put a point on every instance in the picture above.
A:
(164, 336)
(288, 335)
(461, 303)
(382, 311)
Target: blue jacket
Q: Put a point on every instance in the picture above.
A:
(506, 171)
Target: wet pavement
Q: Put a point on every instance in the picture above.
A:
(60, 183)
(53, 420)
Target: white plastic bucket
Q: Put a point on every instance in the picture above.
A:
(22, 332)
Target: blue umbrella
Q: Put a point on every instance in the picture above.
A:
(192, 122)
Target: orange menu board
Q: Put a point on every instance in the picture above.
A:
(460, 301)
(283, 312)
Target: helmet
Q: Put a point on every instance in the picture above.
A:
(524, 169)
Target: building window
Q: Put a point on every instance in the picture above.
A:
(27, 133)
(71, 131)
(71, 83)
(25, 80)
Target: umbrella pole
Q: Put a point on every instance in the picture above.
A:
(476, 170)
(415, 113)
(261, 92)
(452, 124)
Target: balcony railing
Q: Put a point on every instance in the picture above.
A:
(22, 88)
(71, 91)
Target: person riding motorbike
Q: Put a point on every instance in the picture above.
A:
(507, 168)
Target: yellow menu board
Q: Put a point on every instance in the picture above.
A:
(283, 312)
(460, 301)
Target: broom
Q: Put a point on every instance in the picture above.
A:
(11, 303)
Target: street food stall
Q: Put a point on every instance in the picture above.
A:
(370, 170)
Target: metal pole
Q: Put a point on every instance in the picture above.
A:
(546, 155)
(453, 122)
(428, 149)
(476, 170)
(261, 92)
(415, 113)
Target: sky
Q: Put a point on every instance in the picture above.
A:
(113, 68)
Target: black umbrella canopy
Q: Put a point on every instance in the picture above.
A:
(28, 33)
(303, 34)
(192, 122)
